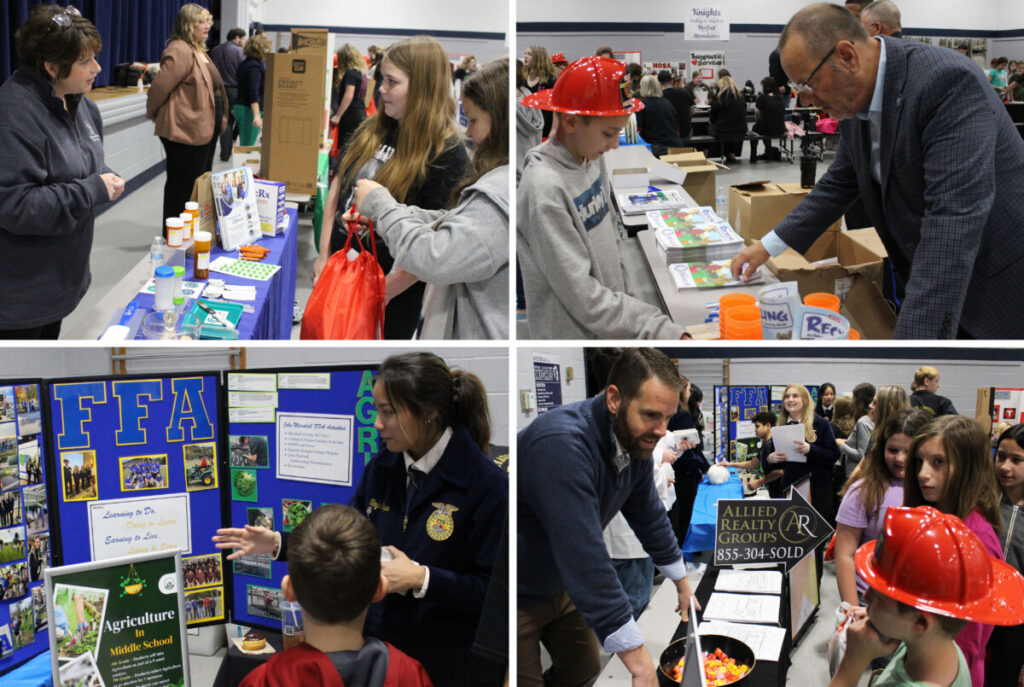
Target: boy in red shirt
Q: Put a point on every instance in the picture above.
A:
(334, 574)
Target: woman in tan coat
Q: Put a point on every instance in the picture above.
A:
(188, 103)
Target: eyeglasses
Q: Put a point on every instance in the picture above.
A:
(66, 18)
(803, 87)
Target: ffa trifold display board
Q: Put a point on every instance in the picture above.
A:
(94, 469)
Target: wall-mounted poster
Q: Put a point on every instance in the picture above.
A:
(705, 23)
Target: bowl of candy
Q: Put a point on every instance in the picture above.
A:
(727, 661)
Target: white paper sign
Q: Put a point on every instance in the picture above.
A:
(252, 382)
(778, 310)
(707, 62)
(252, 399)
(785, 437)
(821, 323)
(314, 447)
(252, 414)
(705, 23)
(305, 380)
(141, 525)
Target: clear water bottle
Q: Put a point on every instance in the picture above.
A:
(156, 253)
(722, 203)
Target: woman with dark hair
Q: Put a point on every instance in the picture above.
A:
(689, 464)
(1004, 646)
(52, 172)
(826, 398)
(188, 104)
(439, 504)
(770, 113)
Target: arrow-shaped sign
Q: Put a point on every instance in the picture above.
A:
(768, 530)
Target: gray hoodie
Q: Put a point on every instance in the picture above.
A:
(466, 246)
(50, 165)
(569, 253)
(529, 127)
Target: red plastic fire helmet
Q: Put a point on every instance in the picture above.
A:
(559, 58)
(588, 86)
(933, 562)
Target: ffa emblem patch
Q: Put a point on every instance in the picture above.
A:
(812, 437)
(440, 524)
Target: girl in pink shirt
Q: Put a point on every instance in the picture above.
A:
(952, 462)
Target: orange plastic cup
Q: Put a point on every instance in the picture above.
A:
(730, 300)
(854, 335)
(744, 322)
(823, 300)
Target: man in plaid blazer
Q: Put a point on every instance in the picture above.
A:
(929, 148)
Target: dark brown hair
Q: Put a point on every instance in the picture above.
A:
(487, 88)
(863, 394)
(424, 386)
(636, 365)
(874, 472)
(40, 40)
(334, 563)
(971, 482)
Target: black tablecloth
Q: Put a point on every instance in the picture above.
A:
(766, 673)
(237, 665)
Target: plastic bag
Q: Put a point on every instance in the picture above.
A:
(348, 299)
(837, 643)
(827, 125)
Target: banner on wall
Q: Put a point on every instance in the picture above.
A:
(655, 67)
(707, 62)
(119, 622)
(705, 23)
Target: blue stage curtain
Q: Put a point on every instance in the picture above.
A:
(132, 30)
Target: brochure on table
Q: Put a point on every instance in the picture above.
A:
(135, 471)
(119, 622)
(298, 439)
(24, 523)
(234, 197)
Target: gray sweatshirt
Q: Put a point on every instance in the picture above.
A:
(466, 246)
(857, 444)
(529, 127)
(50, 165)
(568, 249)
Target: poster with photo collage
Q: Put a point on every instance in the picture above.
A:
(24, 524)
(296, 441)
(135, 471)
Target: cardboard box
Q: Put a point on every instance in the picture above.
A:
(860, 253)
(756, 207)
(293, 119)
(700, 173)
(246, 156)
(311, 41)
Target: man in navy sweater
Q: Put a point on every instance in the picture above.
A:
(579, 465)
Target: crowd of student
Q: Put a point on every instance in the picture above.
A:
(948, 459)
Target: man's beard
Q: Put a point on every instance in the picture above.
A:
(630, 444)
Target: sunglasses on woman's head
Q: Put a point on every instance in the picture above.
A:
(66, 18)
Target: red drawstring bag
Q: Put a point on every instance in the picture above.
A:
(348, 300)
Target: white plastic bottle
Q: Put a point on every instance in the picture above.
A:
(156, 253)
(722, 203)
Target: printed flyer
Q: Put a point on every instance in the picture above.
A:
(118, 623)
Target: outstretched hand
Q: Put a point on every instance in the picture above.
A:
(247, 541)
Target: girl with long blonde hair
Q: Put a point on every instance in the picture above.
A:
(540, 75)
(818, 448)
(412, 148)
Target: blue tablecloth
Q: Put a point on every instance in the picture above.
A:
(32, 673)
(701, 536)
(275, 299)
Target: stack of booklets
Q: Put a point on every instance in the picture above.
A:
(639, 203)
(706, 275)
(693, 235)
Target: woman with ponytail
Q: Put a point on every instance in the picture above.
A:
(439, 504)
